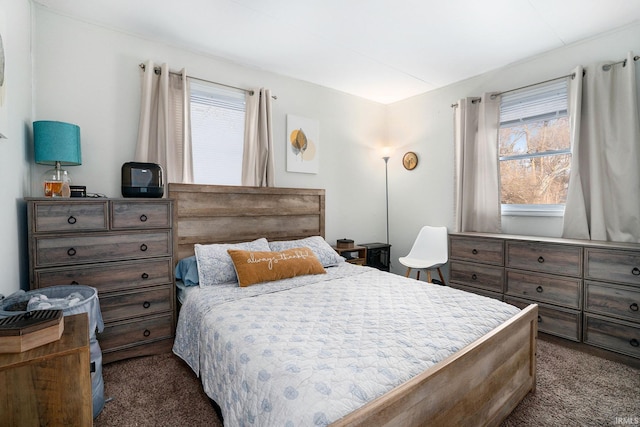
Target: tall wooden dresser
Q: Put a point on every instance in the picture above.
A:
(123, 248)
(586, 291)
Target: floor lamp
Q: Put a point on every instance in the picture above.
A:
(386, 187)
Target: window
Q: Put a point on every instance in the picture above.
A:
(534, 150)
(217, 133)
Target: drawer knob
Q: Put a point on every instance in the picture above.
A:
(143, 247)
(143, 218)
(634, 342)
(474, 276)
(539, 319)
(145, 276)
(146, 333)
(72, 219)
(635, 271)
(71, 251)
(540, 260)
(475, 252)
(539, 289)
(634, 306)
(146, 304)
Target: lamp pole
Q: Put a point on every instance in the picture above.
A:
(386, 187)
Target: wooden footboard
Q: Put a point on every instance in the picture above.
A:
(479, 385)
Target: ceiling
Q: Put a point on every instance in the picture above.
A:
(382, 50)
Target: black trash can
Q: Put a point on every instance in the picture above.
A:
(71, 299)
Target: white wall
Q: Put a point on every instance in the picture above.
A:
(424, 124)
(15, 120)
(89, 75)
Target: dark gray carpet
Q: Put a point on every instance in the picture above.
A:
(573, 389)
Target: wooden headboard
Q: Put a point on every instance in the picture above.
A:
(208, 214)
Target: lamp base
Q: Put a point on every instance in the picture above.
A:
(55, 183)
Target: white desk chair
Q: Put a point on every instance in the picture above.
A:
(429, 252)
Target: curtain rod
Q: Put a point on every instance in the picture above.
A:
(572, 75)
(605, 67)
(249, 91)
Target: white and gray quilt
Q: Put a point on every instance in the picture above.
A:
(309, 350)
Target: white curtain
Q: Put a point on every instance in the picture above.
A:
(257, 161)
(603, 198)
(477, 180)
(164, 130)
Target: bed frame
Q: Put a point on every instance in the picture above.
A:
(479, 385)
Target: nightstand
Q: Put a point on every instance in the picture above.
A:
(378, 255)
(355, 254)
(49, 384)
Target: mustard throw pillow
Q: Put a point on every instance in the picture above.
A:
(256, 267)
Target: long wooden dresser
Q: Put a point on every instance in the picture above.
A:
(123, 248)
(587, 291)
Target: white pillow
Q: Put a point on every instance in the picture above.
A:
(215, 266)
(326, 254)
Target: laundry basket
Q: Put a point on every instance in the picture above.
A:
(71, 299)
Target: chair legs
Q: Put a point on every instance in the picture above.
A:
(428, 275)
(441, 277)
(417, 274)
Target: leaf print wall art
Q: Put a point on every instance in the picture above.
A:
(302, 144)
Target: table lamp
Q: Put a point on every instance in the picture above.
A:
(58, 144)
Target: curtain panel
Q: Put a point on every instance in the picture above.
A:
(257, 161)
(603, 198)
(164, 130)
(477, 175)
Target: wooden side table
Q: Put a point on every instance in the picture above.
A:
(50, 384)
(355, 254)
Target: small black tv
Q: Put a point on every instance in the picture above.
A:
(142, 180)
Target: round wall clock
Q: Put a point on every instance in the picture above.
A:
(410, 160)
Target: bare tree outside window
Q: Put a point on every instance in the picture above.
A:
(535, 162)
(535, 147)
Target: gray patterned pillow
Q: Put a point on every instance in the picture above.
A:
(215, 266)
(326, 254)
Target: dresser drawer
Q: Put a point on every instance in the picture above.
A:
(63, 216)
(476, 249)
(124, 305)
(546, 288)
(81, 248)
(131, 332)
(617, 335)
(108, 277)
(544, 257)
(613, 300)
(613, 265)
(137, 214)
(477, 276)
(556, 321)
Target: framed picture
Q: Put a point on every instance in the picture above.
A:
(303, 141)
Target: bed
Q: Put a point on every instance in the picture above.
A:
(355, 348)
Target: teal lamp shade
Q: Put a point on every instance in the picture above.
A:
(56, 143)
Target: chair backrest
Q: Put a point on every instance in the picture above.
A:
(431, 243)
